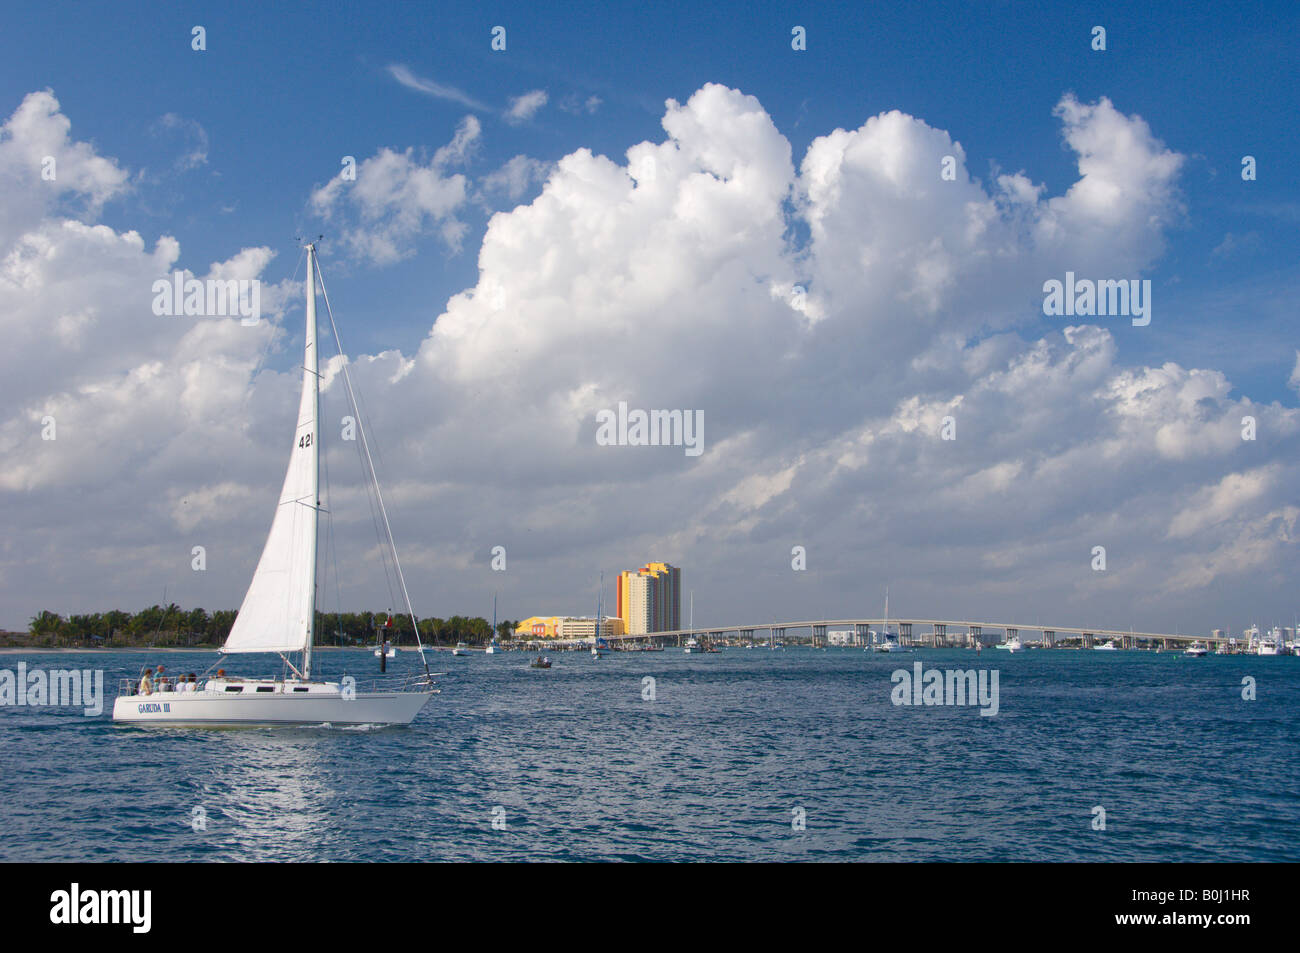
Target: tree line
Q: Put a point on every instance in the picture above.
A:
(172, 626)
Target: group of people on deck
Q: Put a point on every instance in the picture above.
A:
(149, 683)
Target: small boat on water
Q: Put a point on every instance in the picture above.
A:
(1011, 645)
(693, 646)
(885, 641)
(277, 616)
(597, 643)
(1271, 644)
(493, 647)
(540, 662)
(1196, 650)
(1107, 647)
(460, 649)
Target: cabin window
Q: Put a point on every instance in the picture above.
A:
(300, 689)
(266, 688)
(234, 688)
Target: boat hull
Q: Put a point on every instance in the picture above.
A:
(217, 710)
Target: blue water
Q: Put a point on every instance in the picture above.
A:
(580, 767)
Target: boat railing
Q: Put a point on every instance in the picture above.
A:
(130, 687)
(397, 683)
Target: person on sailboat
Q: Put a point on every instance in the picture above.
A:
(162, 681)
(146, 683)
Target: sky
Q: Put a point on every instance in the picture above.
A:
(676, 209)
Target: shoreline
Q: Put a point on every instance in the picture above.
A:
(45, 650)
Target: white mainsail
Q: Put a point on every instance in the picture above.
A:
(280, 606)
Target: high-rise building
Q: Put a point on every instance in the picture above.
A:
(649, 599)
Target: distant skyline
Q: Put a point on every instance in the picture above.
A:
(830, 263)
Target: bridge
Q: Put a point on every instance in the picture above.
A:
(933, 633)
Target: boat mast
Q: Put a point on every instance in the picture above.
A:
(311, 378)
(886, 632)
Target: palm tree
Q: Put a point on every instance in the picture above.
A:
(48, 624)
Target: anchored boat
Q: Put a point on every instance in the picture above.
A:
(279, 608)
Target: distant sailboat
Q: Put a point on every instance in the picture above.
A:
(493, 645)
(883, 641)
(596, 641)
(279, 608)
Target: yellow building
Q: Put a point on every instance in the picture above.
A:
(567, 627)
(649, 598)
(538, 627)
(574, 628)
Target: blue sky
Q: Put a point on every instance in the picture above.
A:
(1124, 433)
(282, 93)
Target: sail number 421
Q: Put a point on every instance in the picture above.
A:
(304, 440)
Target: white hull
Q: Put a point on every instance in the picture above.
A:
(1012, 646)
(216, 708)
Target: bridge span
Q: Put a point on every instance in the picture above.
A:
(936, 633)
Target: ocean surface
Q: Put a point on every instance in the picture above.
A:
(734, 751)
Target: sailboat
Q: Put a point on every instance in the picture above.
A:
(885, 643)
(493, 645)
(279, 609)
(596, 641)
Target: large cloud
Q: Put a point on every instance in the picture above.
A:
(679, 277)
